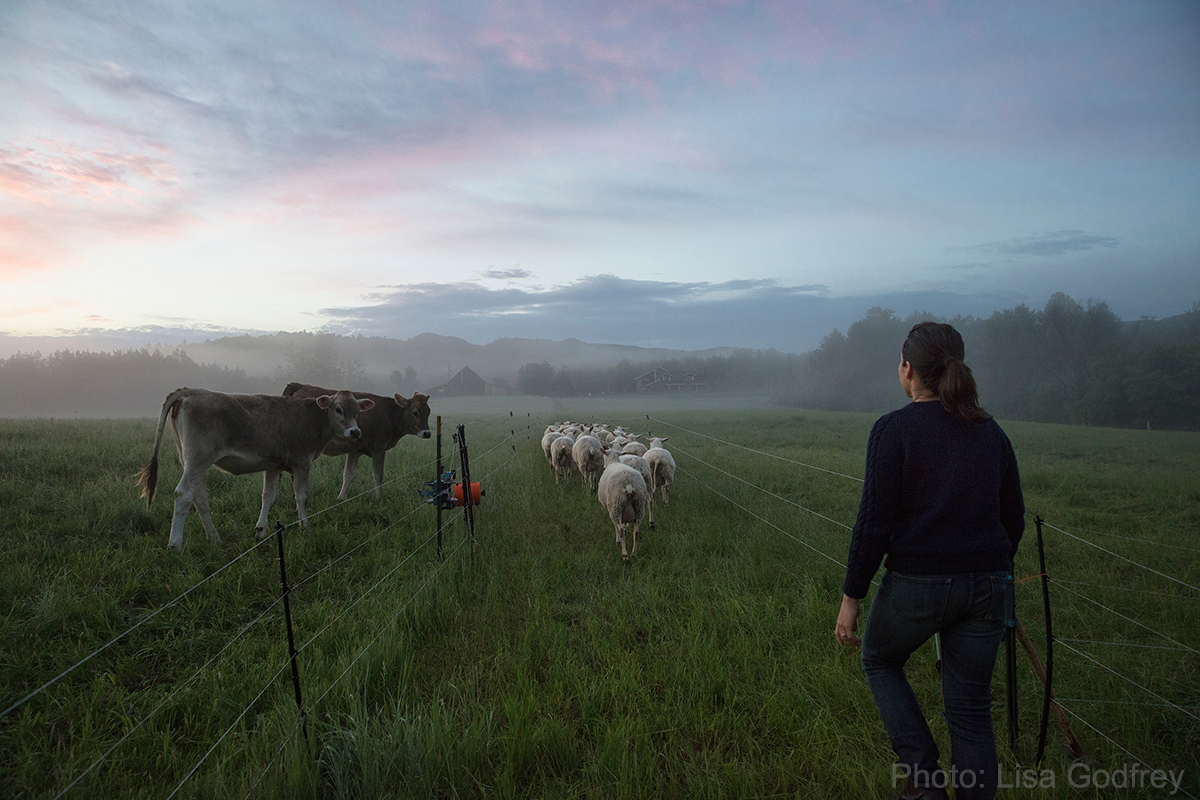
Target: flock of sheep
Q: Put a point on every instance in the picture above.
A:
(623, 472)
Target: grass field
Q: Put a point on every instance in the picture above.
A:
(536, 664)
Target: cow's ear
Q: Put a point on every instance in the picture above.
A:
(324, 400)
(366, 404)
(401, 400)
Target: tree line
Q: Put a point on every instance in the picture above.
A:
(1068, 362)
(742, 370)
(119, 383)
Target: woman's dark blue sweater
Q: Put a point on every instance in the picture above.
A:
(941, 496)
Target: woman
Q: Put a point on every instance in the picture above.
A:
(942, 499)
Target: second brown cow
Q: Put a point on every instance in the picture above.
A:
(382, 426)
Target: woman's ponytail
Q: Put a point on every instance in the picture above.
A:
(936, 352)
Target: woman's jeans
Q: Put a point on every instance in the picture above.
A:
(970, 612)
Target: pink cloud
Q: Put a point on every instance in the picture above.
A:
(58, 198)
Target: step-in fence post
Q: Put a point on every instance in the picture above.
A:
(287, 616)
(438, 488)
(1010, 661)
(1045, 673)
(465, 463)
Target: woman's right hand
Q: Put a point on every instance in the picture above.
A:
(847, 623)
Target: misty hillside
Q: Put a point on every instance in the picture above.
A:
(1068, 362)
(433, 358)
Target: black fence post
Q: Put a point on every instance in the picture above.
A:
(1048, 692)
(438, 501)
(1010, 652)
(287, 615)
(468, 504)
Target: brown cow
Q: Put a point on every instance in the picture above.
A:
(391, 418)
(241, 433)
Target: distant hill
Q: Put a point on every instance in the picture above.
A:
(432, 357)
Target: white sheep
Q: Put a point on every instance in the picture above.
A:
(642, 466)
(635, 448)
(662, 465)
(560, 457)
(588, 453)
(623, 493)
(549, 437)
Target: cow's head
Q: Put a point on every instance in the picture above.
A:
(343, 408)
(415, 414)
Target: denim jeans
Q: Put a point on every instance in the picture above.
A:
(970, 612)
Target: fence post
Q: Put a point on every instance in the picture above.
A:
(1049, 682)
(287, 615)
(438, 487)
(468, 506)
(1010, 660)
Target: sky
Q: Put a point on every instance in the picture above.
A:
(664, 174)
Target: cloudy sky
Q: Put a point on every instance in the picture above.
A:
(680, 174)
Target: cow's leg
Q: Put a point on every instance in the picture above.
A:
(270, 487)
(377, 461)
(185, 491)
(348, 474)
(200, 501)
(300, 486)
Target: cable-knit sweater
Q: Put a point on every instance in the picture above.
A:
(941, 496)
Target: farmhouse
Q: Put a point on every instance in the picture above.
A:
(659, 380)
(466, 384)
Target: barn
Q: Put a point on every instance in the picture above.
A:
(467, 384)
(659, 380)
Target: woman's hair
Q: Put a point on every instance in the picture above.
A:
(935, 350)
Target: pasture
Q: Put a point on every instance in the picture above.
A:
(535, 663)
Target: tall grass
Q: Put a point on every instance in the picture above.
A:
(536, 663)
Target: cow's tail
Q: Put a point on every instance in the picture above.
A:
(148, 477)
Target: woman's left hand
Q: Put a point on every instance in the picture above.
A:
(847, 623)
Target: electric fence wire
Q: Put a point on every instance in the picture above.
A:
(392, 621)
(1128, 589)
(168, 698)
(287, 739)
(338, 504)
(763, 520)
(1181, 645)
(238, 635)
(1123, 558)
(1109, 739)
(1121, 644)
(1129, 680)
(363, 596)
(1133, 539)
(232, 725)
(315, 636)
(759, 452)
(131, 629)
(359, 546)
(296, 724)
(1113, 702)
(763, 490)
